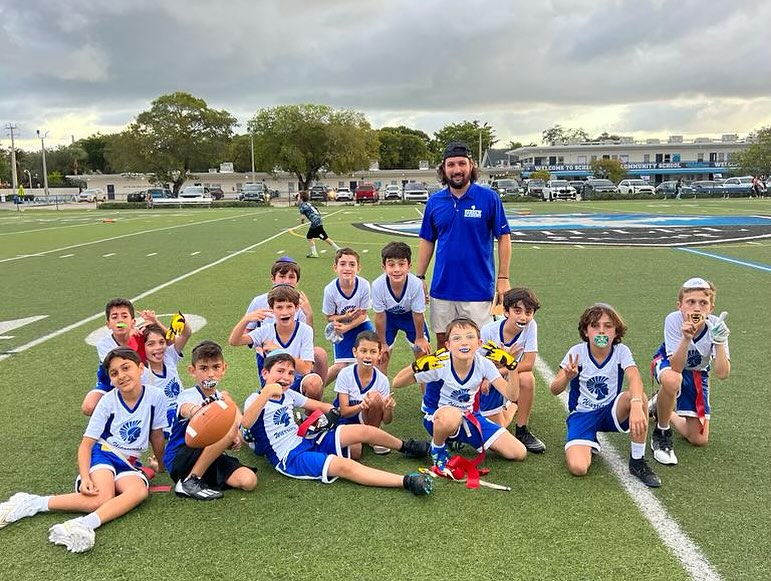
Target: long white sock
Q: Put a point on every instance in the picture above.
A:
(41, 503)
(91, 520)
(638, 450)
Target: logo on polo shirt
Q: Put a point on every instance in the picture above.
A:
(472, 212)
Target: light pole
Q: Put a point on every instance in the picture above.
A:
(45, 169)
(251, 149)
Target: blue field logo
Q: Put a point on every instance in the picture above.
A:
(586, 228)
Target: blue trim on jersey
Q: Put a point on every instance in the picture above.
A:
(107, 432)
(468, 377)
(620, 380)
(355, 288)
(695, 340)
(139, 401)
(575, 391)
(294, 334)
(391, 292)
(605, 361)
(500, 334)
(431, 397)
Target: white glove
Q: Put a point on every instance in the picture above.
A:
(719, 332)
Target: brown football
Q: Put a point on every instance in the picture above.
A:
(211, 423)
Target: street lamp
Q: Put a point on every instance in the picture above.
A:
(251, 149)
(45, 169)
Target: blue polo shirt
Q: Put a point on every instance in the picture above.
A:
(463, 230)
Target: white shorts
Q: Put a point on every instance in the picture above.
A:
(442, 313)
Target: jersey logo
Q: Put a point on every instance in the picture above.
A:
(694, 358)
(598, 386)
(461, 395)
(172, 389)
(472, 212)
(281, 417)
(130, 431)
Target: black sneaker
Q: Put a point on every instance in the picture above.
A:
(641, 470)
(192, 487)
(416, 448)
(663, 449)
(533, 444)
(418, 484)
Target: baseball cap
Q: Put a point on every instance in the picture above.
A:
(456, 149)
(696, 283)
(286, 258)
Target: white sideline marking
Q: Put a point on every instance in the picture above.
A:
(194, 253)
(114, 238)
(66, 255)
(6, 326)
(419, 212)
(280, 251)
(108, 255)
(685, 550)
(153, 290)
(152, 254)
(762, 267)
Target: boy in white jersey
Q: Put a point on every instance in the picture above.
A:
(694, 339)
(453, 377)
(202, 473)
(517, 333)
(399, 302)
(286, 271)
(284, 333)
(346, 302)
(270, 428)
(363, 391)
(125, 421)
(595, 370)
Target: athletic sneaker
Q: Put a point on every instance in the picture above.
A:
(455, 446)
(381, 450)
(661, 444)
(533, 444)
(641, 470)
(74, 535)
(311, 255)
(440, 457)
(416, 448)
(19, 506)
(194, 488)
(418, 484)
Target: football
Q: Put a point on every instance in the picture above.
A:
(211, 423)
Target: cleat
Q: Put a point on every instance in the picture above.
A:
(74, 535)
(533, 444)
(381, 450)
(455, 446)
(440, 457)
(311, 255)
(192, 487)
(416, 448)
(418, 484)
(661, 444)
(640, 469)
(19, 506)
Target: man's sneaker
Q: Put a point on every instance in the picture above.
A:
(653, 410)
(661, 444)
(19, 506)
(440, 457)
(194, 488)
(418, 484)
(74, 535)
(641, 470)
(381, 450)
(311, 255)
(416, 448)
(533, 444)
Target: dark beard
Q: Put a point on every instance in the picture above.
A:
(458, 185)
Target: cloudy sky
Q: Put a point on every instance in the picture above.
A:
(646, 68)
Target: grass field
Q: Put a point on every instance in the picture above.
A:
(65, 265)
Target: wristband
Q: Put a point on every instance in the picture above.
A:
(421, 276)
(634, 399)
(503, 278)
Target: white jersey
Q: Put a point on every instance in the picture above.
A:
(598, 382)
(261, 302)
(126, 429)
(412, 299)
(104, 345)
(700, 351)
(168, 381)
(335, 302)
(275, 431)
(348, 382)
(527, 337)
(299, 345)
(444, 387)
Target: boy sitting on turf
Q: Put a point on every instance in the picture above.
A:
(595, 370)
(268, 422)
(109, 484)
(693, 339)
(202, 473)
(399, 302)
(453, 377)
(286, 333)
(517, 333)
(346, 302)
(363, 391)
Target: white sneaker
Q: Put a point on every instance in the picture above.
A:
(74, 535)
(19, 506)
(381, 450)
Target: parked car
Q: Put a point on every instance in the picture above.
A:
(392, 192)
(598, 186)
(433, 188)
(344, 194)
(738, 185)
(558, 190)
(635, 187)
(157, 193)
(253, 193)
(578, 186)
(216, 193)
(415, 192)
(535, 187)
(319, 193)
(507, 188)
(706, 186)
(669, 188)
(366, 192)
(92, 195)
(194, 192)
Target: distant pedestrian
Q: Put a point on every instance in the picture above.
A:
(149, 200)
(678, 188)
(316, 230)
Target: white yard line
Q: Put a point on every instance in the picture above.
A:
(100, 315)
(687, 552)
(419, 212)
(93, 221)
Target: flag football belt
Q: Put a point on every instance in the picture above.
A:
(698, 386)
(130, 461)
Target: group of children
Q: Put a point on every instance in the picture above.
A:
(474, 387)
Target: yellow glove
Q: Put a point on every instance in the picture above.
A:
(499, 356)
(433, 361)
(176, 326)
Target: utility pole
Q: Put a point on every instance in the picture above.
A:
(251, 148)
(14, 178)
(480, 148)
(45, 169)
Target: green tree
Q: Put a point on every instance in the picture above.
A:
(560, 134)
(179, 134)
(541, 174)
(5, 166)
(610, 169)
(513, 145)
(468, 132)
(756, 159)
(402, 147)
(95, 147)
(309, 139)
(605, 136)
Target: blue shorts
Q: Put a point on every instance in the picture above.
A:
(310, 459)
(104, 459)
(583, 426)
(468, 434)
(694, 382)
(402, 322)
(491, 403)
(344, 349)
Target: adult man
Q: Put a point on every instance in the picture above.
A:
(461, 222)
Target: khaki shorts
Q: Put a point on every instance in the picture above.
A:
(441, 313)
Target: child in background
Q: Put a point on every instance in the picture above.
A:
(316, 230)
